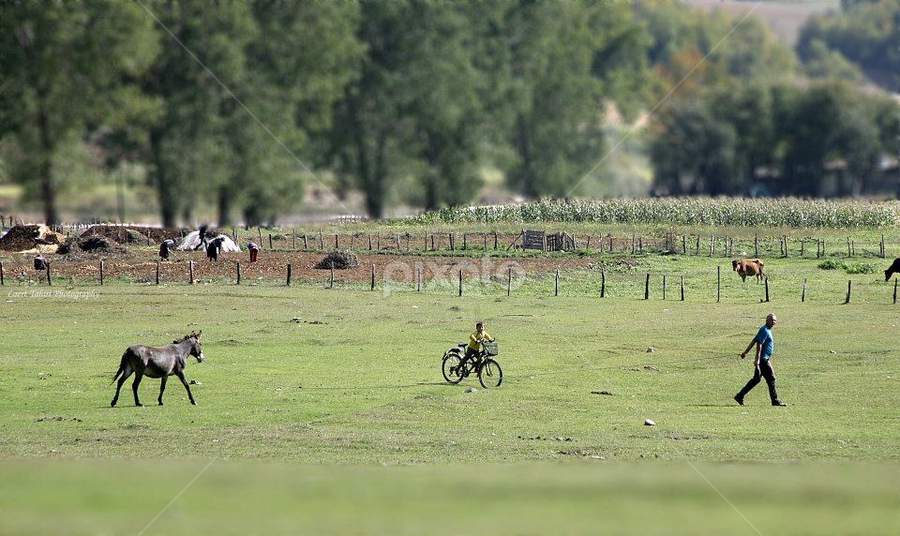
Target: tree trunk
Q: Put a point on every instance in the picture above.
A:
(48, 188)
(224, 208)
(167, 205)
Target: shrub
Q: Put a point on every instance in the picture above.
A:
(831, 264)
(860, 268)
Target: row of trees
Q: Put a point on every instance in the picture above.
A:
(824, 139)
(241, 103)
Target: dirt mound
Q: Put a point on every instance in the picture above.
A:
(340, 260)
(90, 244)
(133, 235)
(25, 237)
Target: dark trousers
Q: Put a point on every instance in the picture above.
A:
(764, 371)
(470, 354)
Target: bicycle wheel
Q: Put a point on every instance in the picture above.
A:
(450, 368)
(490, 374)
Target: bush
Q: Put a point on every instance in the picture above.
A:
(860, 268)
(831, 264)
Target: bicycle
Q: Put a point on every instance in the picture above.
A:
(488, 369)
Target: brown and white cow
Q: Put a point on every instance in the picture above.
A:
(751, 267)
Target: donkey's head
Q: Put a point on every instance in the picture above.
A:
(196, 347)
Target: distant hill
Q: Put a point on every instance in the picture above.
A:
(785, 17)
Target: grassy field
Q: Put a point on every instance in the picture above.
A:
(306, 392)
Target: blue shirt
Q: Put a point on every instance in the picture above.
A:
(764, 337)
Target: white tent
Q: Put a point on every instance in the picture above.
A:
(192, 240)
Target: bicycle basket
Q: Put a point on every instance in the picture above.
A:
(490, 348)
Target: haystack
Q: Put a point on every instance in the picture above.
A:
(119, 233)
(27, 237)
(340, 260)
(192, 240)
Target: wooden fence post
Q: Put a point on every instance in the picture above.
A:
(331, 279)
(756, 245)
(683, 245)
(495, 240)
(418, 279)
(234, 235)
(664, 286)
(603, 283)
(432, 242)
(647, 287)
(883, 252)
(640, 244)
(802, 242)
(321, 241)
(849, 282)
(895, 285)
(289, 274)
(101, 272)
(556, 284)
(148, 236)
(294, 240)
(460, 283)
(718, 283)
(465, 241)
(682, 288)
(849, 250)
(270, 240)
(451, 242)
(372, 286)
(238, 269)
(509, 285)
(803, 292)
(191, 271)
(49, 281)
(767, 289)
(697, 246)
(305, 242)
(1, 273)
(157, 272)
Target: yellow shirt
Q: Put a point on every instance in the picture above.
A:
(476, 338)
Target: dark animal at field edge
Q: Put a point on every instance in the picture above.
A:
(748, 267)
(894, 269)
(158, 362)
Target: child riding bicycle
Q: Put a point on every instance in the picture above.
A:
(475, 343)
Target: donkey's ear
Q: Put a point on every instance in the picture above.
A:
(199, 333)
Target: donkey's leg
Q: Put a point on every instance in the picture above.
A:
(186, 386)
(162, 387)
(134, 387)
(122, 379)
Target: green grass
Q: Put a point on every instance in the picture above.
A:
(300, 414)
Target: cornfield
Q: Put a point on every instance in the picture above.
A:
(781, 212)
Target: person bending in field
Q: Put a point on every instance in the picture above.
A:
(475, 340)
(762, 362)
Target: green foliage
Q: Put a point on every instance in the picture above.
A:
(682, 211)
(865, 32)
(860, 268)
(823, 140)
(848, 266)
(65, 67)
(831, 264)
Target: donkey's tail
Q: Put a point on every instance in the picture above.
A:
(121, 368)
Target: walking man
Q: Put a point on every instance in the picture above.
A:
(762, 362)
